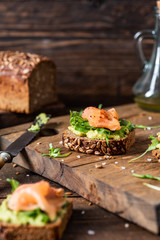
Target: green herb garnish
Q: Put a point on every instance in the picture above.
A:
(152, 186)
(145, 127)
(82, 125)
(151, 147)
(100, 106)
(55, 152)
(147, 176)
(14, 184)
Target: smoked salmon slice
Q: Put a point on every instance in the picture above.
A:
(28, 197)
(102, 119)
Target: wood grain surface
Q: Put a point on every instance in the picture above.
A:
(85, 217)
(112, 187)
(91, 43)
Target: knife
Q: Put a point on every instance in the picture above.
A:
(17, 146)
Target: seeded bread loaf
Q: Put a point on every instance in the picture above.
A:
(97, 147)
(50, 231)
(27, 82)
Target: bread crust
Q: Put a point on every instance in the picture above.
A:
(97, 147)
(50, 231)
(27, 81)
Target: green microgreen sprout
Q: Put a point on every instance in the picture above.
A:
(55, 152)
(152, 186)
(147, 176)
(151, 147)
(14, 184)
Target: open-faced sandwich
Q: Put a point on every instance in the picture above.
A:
(34, 211)
(98, 132)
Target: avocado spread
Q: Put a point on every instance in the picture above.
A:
(35, 217)
(94, 134)
(41, 119)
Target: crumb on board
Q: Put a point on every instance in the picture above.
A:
(17, 173)
(103, 163)
(98, 165)
(83, 212)
(126, 225)
(89, 203)
(149, 159)
(14, 165)
(38, 143)
(91, 232)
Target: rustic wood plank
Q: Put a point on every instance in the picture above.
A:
(113, 187)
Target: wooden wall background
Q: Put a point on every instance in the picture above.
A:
(91, 43)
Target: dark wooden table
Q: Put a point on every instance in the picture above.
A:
(88, 221)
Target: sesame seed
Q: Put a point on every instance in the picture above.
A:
(116, 162)
(78, 156)
(123, 168)
(91, 232)
(126, 225)
(148, 128)
(62, 160)
(27, 175)
(132, 171)
(100, 158)
(149, 118)
(83, 212)
(60, 142)
(107, 156)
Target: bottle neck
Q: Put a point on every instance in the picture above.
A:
(157, 23)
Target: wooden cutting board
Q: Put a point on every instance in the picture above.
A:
(112, 187)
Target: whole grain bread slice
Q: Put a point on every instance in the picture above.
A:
(51, 231)
(97, 147)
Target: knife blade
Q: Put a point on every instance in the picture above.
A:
(20, 143)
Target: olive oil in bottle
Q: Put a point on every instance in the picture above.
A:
(149, 104)
(147, 89)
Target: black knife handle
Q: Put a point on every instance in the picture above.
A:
(4, 158)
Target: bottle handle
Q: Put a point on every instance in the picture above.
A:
(138, 38)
